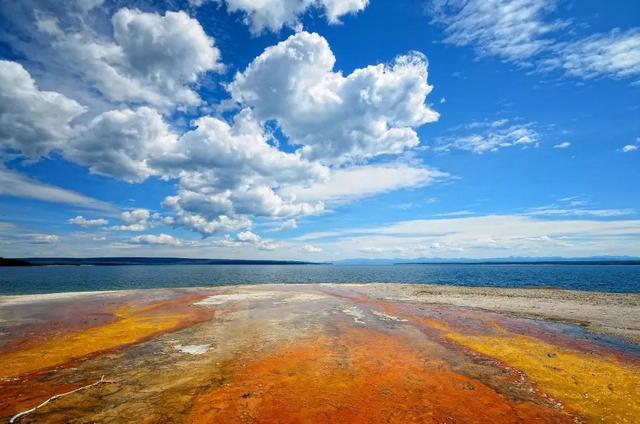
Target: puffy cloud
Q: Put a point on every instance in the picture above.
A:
(134, 220)
(153, 58)
(135, 216)
(490, 137)
(120, 143)
(231, 172)
(245, 238)
(227, 173)
(563, 145)
(272, 15)
(243, 148)
(248, 237)
(615, 54)
(629, 148)
(32, 121)
(514, 30)
(83, 222)
(268, 245)
(211, 211)
(156, 239)
(309, 248)
(348, 184)
(289, 224)
(336, 119)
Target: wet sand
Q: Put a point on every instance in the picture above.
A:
(322, 353)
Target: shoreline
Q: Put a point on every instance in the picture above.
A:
(605, 313)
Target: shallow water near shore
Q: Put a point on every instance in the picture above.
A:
(51, 279)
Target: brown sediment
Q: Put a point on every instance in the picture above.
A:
(358, 375)
(21, 394)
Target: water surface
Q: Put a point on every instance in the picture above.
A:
(49, 279)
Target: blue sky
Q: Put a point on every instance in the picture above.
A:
(319, 130)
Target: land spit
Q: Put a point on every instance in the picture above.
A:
(334, 353)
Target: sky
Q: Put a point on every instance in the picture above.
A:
(320, 129)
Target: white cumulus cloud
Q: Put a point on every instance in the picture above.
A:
(272, 15)
(120, 143)
(165, 239)
(152, 58)
(336, 119)
(309, 248)
(32, 121)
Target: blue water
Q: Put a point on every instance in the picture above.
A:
(48, 279)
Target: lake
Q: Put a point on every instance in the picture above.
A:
(50, 279)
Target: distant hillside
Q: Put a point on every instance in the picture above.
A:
(13, 262)
(145, 261)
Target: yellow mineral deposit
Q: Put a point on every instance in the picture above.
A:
(601, 389)
(134, 324)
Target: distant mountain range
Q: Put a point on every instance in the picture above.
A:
(591, 260)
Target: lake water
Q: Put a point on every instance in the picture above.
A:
(49, 279)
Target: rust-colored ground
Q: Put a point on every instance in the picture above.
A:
(306, 354)
(358, 375)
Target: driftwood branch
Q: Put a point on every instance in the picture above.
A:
(16, 417)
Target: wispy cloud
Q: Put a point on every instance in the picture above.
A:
(628, 148)
(525, 32)
(456, 213)
(577, 206)
(513, 30)
(563, 145)
(18, 185)
(615, 54)
(45, 238)
(484, 137)
(558, 211)
(485, 236)
(349, 184)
